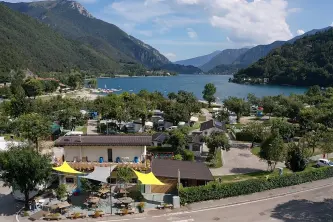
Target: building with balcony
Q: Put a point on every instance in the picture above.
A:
(112, 148)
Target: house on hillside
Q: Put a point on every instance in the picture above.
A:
(191, 174)
(208, 127)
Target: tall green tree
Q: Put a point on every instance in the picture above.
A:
(285, 129)
(24, 169)
(209, 93)
(256, 130)
(124, 176)
(236, 105)
(33, 127)
(296, 157)
(273, 150)
(269, 104)
(326, 143)
(33, 87)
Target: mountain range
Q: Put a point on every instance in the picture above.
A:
(198, 61)
(304, 62)
(74, 22)
(79, 40)
(27, 43)
(233, 59)
(226, 57)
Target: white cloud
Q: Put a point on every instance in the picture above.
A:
(188, 2)
(191, 33)
(300, 32)
(171, 56)
(258, 22)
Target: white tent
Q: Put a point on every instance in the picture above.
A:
(194, 119)
(4, 145)
(100, 174)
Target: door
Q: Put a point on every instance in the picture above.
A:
(110, 155)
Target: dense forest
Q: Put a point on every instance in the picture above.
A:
(181, 69)
(226, 69)
(26, 43)
(308, 61)
(74, 22)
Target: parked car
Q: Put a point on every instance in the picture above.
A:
(324, 162)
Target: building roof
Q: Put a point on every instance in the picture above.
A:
(113, 140)
(160, 137)
(188, 170)
(196, 138)
(212, 124)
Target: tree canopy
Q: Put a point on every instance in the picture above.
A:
(24, 169)
(209, 93)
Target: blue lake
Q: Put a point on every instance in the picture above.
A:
(195, 84)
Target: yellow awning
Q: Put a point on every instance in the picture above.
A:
(148, 179)
(65, 168)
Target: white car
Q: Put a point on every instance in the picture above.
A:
(324, 162)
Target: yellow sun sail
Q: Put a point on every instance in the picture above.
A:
(148, 179)
(66, 168)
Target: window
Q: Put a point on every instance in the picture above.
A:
(69, 180)
(196, 148)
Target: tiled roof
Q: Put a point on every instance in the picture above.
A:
(114, 140)
(212, 124)
(160, 137)
(188, 170)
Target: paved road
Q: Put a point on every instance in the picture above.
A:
(315, 205)
(8, 206)
(92, 127)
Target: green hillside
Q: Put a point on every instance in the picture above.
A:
(308, 61)
(26, 43)
(73, 21)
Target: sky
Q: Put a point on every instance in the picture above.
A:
(182, 29)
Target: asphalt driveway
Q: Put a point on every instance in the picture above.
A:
(240, 160)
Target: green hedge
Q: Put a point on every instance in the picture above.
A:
(215, 190)
(244, 136)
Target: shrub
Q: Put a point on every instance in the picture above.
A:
(61, 191)
(26, 214)
(245, 136)
(136, 195)
(178, 157)
(188, 155)
(214, 190)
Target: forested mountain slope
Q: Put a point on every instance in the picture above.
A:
(26, 43)
(308, 61)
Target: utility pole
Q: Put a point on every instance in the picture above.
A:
(110, 189)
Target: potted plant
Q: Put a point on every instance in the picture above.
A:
(141, 207)
(98, 213)
(124, 211)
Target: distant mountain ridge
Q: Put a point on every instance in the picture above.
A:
(305, 61)
(225, 57)
(260, 51)
(73, 21)
(29, 44)
(198, 61)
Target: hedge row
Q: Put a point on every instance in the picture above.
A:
(215, 190)
(244, 136)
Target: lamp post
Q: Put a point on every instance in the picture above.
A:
(110, 189)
